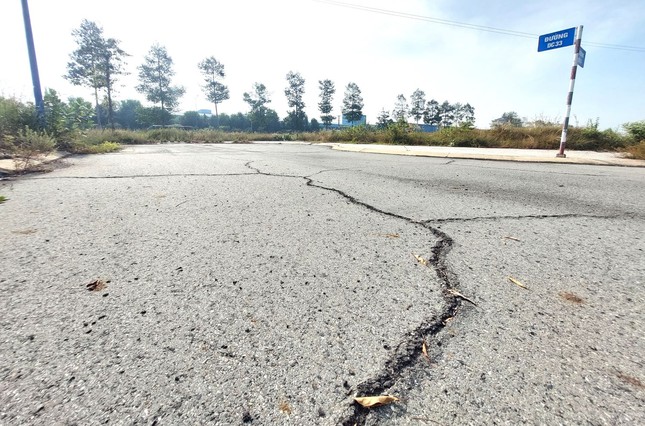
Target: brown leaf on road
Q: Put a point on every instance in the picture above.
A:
(375, 401)
(96, 285)
(424, 349)
(517, 283)
(421, 260)
(570, 297)
(392, 235)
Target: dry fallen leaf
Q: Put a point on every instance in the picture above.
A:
(456, 293)
(571, 297)
(424, 349)
(512, 238)
(517, 283)
(96, 285)
(375, 401)
(25, 231)
(392, 235)
(421, 260)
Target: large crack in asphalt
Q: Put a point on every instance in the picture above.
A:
(409, 351)
(530, 216)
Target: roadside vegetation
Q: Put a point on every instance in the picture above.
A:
(70, 126)
(78, 126)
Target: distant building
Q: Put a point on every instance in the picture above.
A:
(345, 122)
(427, 128)
(205, 112)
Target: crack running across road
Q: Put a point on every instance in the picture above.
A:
(409, 351)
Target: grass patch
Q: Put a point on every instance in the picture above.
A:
(3, 199)
(100, 148)
(544, 137)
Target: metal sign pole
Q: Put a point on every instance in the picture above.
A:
(38, 96)
(574, 69)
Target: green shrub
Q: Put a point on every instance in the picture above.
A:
(29, 145)
(32, 143)
(357, 134)
(399, 133)
(15, 116)
(460, 136)
(591, 139)
(636, 130)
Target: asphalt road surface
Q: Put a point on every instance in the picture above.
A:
(272, 284)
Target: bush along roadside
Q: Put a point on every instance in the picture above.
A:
(22, 137)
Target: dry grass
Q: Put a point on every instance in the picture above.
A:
(285, 407)
(100, 148)
(636, 151)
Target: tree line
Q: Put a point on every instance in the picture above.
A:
(98, 62)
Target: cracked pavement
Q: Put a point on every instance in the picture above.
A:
(270, 284)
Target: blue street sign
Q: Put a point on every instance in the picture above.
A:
(557, 39)
(581, 57)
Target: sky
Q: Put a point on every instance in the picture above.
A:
(384, 54)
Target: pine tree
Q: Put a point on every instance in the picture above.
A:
(294, 93)
(353, 103)
(154, 76)
(327, 91)
(216, 92)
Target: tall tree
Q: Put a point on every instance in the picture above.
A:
(112, 66)
(510, 119)
(417, 104)
(383, 120)
(447, 114)
(468, 115)
(257, 100)
(400, 111)
(216, 92)
(327, 90)
(97, 62)
(126, 113)
(55, 113)
(353, 103)
(464, 115)
(79, 113)
(154, 76)
(84, 68)
(294, 93)
(431, 113)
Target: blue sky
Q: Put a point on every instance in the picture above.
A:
(385, 55)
